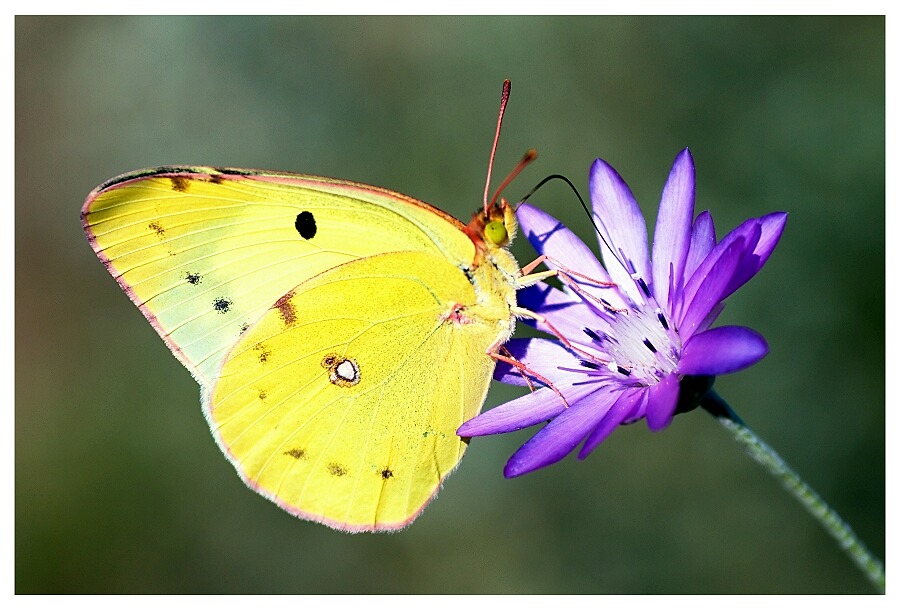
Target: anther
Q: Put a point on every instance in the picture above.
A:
(643, 285)
(600, 336)
(662, 320)
(614, 367)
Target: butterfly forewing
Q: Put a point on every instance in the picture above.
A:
(205, 252)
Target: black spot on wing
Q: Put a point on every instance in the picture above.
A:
(193, 278)
(222, 305)
(337, 470)
(157, 228)
(305, 225)
(264, 352)
(386, 473)
(297, 453)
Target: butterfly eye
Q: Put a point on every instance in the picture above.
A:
(496, 233)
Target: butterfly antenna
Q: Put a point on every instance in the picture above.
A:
(584, 206)
(526, 160)
(504, 98)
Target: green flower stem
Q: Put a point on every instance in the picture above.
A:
(763, 454)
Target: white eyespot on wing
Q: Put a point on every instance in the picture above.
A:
(342, 371)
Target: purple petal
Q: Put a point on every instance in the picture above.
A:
(673, 227)
(709, 319)
(746, 230)
(625, 406)
(661, 402)
(722, 350)
(703, 240)
(560, 436)
(619, 218)
(551, 237)
(528, 410)
(567, 252)
(771, 228)
(538, 355)
(760, 236)
(710, 291)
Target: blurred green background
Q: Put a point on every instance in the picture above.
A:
(119, 485)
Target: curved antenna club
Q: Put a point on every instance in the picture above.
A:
(504, 98)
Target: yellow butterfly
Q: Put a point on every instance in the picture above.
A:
(340, 333)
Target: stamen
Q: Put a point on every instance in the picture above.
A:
(601, 337)
(590, 365)
(614, 367)
(627, 263)
(608, 307)
(590, 372)
(643, 285)
(591, 299)
(638, 344)
(662, 319)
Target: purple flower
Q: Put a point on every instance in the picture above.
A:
(633, 335)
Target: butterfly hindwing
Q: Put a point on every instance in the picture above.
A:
(342, 403)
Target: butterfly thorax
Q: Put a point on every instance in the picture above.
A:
(494, 271)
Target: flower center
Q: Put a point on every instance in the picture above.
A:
(638, 342)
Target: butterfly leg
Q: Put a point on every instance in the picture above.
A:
(530, 278)
(566, 276)
(522, 373)
(520, 312)
(526, 270)
(563, 270)
(525, 370)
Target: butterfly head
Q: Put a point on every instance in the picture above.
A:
(493, 227)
